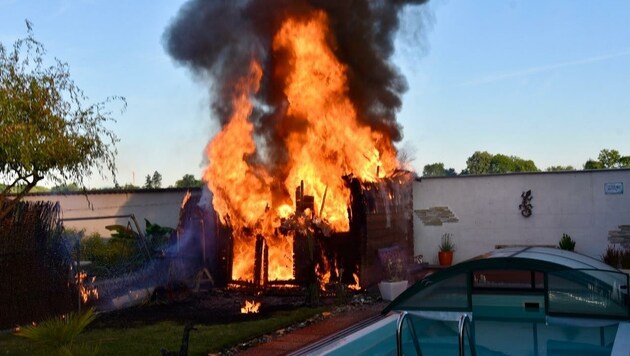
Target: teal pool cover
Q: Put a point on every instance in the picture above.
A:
(523, 283)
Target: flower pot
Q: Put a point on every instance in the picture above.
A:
(391, 290)
(445, 258)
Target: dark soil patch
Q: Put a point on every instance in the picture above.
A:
(214, 306)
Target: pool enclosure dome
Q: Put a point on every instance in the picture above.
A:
(523, 283)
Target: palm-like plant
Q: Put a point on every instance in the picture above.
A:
(566, 243)
(57, 335)
(447, 244)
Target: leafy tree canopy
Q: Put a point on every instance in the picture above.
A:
(450, 172)
(478, 163)
(560, 168)
(524, 165)
(433, 170)
(608, 159)
(64, 188)
(188, 181)
(593, 164)
(504, 164)
(129, 186)
(437, 170)
(154, 181)
(48, 130)
(487, 163)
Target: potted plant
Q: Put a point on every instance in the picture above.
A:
(446, 249)
(394, 282)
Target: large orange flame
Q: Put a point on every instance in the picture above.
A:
(330, 143)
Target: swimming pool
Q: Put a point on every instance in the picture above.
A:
(491, 337)
(520, 301)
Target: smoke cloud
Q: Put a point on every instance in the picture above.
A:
(219, 39)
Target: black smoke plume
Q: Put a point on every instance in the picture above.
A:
(219, 38)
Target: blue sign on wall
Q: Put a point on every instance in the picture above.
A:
(613, 188)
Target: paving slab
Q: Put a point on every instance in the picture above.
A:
(299, 338)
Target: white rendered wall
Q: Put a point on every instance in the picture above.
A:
(158, 206)
(487, 211)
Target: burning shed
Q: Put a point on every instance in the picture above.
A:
(303, 171)
(303, 248)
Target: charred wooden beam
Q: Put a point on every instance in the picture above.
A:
(225, 248)
(258, 260)
(266, 266)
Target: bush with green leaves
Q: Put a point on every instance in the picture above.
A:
(157, 236)
(125, 251)
(56, 336)
(108, 256)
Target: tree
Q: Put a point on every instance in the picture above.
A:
(127, 186)
(64, 188)
(153, 182)
(501, 164)
(478, 163)
(187, 181)
(523, 165)
(437, 170)
(450, 172)
(560, 168)
(609, 158)
(157, 179)
(504, 164)
(148, 182)
(48, 130)
(593, 164)
(433, 170)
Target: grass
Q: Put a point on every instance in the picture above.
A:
(148, 339)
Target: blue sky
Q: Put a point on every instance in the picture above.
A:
(543, 80)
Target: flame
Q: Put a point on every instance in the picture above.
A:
(356, 285)
(330, 143)
(334, 143)
(185, 199)
(250, 307)
(87, 292)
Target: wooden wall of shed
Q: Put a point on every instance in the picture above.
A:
(388, 222)
(380, 234)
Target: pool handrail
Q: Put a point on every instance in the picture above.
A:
(464, 320)
(414, 336)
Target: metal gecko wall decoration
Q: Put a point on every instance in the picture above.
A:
(526, 206)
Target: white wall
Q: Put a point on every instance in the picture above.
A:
(160, 207)
(487, 211)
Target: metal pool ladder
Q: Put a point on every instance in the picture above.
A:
(463, 327)
(464, 321)
(414, 337)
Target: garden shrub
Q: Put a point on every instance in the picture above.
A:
(108, 256)
(617, 257)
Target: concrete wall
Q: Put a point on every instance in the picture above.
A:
(159, 206)
(483, 211)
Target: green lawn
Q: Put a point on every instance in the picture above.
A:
(149, 339)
